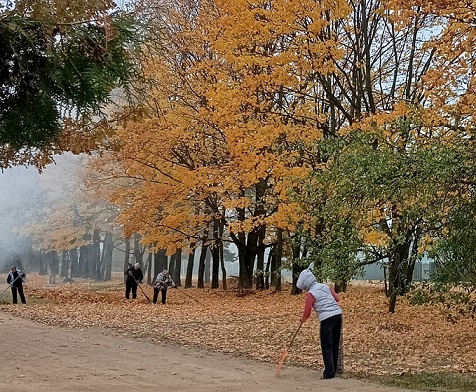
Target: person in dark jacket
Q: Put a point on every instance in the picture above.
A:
(134, 277)
(162, 283)
(15, 279)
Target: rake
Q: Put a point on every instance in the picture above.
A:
(10, 284)
(284, 355)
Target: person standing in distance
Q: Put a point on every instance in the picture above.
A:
(134, 277)
(324, 301)
(162, 283)
(16, 279)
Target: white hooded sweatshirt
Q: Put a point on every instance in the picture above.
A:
(325, 305)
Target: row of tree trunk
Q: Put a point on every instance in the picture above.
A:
(87, 261)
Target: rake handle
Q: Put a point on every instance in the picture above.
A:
(295, 334)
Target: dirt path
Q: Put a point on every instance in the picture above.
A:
(40, 358)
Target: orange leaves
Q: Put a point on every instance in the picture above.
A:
(260, 326)
(376, 238)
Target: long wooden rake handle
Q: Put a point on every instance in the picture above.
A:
(284, 355)
(295, 334)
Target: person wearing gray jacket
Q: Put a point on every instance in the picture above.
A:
(325, 303)
(162, 283)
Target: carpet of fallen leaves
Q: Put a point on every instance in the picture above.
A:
(260, 324)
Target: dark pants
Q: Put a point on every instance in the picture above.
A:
(20, 291)
(131, 286)
(156, 294)
(330, 337)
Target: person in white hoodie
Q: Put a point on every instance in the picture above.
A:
(325, 302)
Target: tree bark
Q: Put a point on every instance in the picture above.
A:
(171, 267)
(149, 268)
(109, 245)
(53, 263)
(267, 270)
(297, 268)
(138, 250)
(43, 264)
(127, 255)
(279, 255)
(65, 265)
(95, 265)
(162, 261)
(84, 261)
(178, 268)
(208, 259)
(201, 265)
(73, 257)
(191, 259)
(215, 249)
(260, 259)
(221, 251)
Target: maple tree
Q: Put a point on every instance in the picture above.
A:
(246, 101)
(382, 79)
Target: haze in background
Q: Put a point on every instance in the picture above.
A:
(21, 198)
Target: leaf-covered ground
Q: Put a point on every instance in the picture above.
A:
(259, 325)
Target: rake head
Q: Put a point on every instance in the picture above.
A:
(284, 355)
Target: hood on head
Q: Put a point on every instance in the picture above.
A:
(305, 280)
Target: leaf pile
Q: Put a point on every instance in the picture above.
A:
(259, 326)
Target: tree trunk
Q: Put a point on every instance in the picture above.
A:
(260, 259)
(43, 264)
(393, 281)
(138, 251)
(178, 268)
(107, 261)
(247, 245)
(102, 264)
(412, 259)
(53, 263)
(208, 259)
(201, 265)
(191, 259)
(340, 287)
(273, 264)
(397, 272)
(65, 265)
(247, 249)
(171, 267)
(148, 268)
(268, 265)
(95, 266)
(215, 249)
(162, 261)
(221, 251)
(279, 255)
(297, 268)
(127, 254)
(83, 261)
(73, 257)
